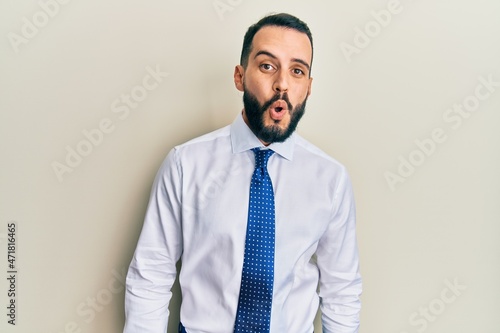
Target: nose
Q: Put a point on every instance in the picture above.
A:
(280, 84)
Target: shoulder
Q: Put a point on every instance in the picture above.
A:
(206, 139)
(207, 143)
(197, 150)
(307, 151)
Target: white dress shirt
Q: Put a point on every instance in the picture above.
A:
(198, 213)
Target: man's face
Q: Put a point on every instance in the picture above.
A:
(275, 82)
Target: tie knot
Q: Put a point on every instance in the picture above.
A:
(261, 157)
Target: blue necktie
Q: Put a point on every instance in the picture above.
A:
(256, 291)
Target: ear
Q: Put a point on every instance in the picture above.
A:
(309, 86)
(239, 73)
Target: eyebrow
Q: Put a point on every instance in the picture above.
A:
(300, 61)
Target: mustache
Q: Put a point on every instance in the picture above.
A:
(277, 97)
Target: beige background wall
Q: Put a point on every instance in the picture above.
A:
(404, 102)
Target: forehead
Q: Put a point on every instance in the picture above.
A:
(282, 42)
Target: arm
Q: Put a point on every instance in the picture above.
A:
(152, 271)
(338, 263)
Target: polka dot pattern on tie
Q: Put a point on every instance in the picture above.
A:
(256, 292)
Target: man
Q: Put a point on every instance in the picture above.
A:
(263, 265)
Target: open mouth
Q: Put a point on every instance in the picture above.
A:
(278, 110)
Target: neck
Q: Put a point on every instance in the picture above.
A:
(245, 119)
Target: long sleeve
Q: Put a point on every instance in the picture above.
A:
(338, 262)
(198, 211)
(152, 271)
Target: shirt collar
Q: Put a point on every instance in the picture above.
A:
(242, 139)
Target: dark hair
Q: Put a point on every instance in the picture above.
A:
(279, 20)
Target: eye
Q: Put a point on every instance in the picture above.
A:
(267, 67)
(298, 71)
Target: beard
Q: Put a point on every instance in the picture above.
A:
(255, 114)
